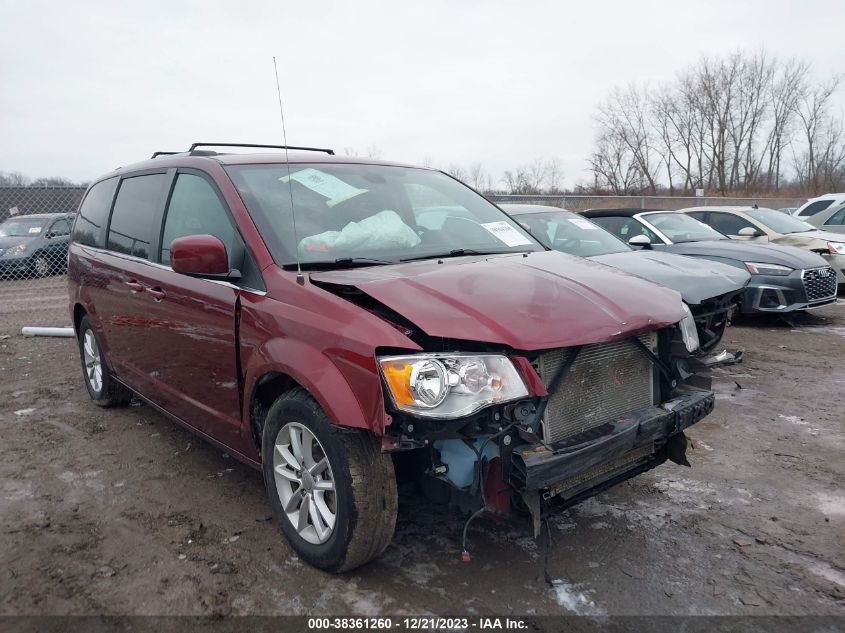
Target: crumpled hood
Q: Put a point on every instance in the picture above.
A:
(816, 240)
(541, 301)
(696, 279)
(742, 251)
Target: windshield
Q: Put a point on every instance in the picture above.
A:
(778, 222)
(348, 214)
(24, 227)
(681, 228)
(570, 233)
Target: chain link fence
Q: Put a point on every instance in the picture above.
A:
(35, 225)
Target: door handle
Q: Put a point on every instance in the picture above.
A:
(157, 293)
(134, 286)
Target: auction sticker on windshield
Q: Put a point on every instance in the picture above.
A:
(583, 224)
(326, 185)
(506, 233)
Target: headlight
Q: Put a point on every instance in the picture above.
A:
(837, 248)
(15, 250)
(450, 385)
(757, 268)
(689, 331)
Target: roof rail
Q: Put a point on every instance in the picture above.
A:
(307, 149)
(157, 154)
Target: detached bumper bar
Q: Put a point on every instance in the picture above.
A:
(604, 453)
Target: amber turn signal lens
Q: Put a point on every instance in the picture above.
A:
(398, 377)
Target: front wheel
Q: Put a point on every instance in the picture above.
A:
(41, 266)
(332, 490)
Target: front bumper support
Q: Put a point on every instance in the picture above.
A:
(570, 467)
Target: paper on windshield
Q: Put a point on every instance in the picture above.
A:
(325, 184)
(35, 229)
(506, 233)
(584, 224)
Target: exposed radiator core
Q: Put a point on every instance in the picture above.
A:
(606, 381)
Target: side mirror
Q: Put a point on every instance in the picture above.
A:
(201, 256)
(640, 241)
(749, 231)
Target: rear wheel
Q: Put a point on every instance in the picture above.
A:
(102, 388)
(332, 490)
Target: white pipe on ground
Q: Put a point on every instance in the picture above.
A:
(65, 332)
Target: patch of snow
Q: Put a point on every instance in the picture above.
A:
(22, 412)
(831, 504)
(573, 599)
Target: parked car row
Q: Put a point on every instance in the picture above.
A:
(323, 319)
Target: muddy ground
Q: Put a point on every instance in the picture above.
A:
(123, 512)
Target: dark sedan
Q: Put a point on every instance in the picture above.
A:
(710, 290)
(783, 278)
(34, 245)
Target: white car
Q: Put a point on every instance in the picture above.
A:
(816, 205)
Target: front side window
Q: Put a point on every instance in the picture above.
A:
(93, 215)
(570, 233)
(837, 219)
(195, 209)
(23, 227)
(131, 226)
(60, 228)
(681, 228)
(779, 222)
(371, 212)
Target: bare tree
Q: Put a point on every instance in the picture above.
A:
(811, 110)
(723, 124)
(538, 177)
(625, 116)
(479, 179)
(13, 179)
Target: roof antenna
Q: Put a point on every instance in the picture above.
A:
(299, 278)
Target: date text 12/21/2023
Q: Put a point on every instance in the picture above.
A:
(422, 623)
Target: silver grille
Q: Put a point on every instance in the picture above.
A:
(606, 381)
(819, 283)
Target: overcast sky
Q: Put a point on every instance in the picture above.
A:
(87, 86)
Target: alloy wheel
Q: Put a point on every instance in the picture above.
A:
(93, 364)
(42, 266)
(305, 483)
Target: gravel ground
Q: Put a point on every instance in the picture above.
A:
(123, 512)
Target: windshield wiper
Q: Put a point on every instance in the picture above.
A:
(340, 262)
(362, 260)
(460, 252)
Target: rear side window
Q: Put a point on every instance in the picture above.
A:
(131, 226)
(815, 207)
(195, 209)
(90, 227)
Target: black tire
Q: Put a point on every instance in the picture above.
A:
(110, 393)
(365, 499)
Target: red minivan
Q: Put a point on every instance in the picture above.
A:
(322, 317)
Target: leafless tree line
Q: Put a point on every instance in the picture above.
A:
(17, 179)
(747, 123)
